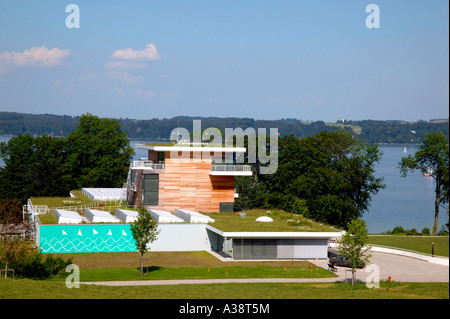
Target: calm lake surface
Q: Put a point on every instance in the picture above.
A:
(406, 202)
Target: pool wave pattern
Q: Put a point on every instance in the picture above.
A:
(86, 238)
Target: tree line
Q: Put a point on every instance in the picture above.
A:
(371, 131)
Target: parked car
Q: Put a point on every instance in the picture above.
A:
(342, 261)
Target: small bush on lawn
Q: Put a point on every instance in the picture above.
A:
(35, 266)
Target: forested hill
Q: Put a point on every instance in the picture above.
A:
(369, 130)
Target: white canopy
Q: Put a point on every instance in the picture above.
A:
(67, 217)
(193, 217)
(162, 216)
(98, 216)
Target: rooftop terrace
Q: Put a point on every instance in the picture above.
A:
(244, 221)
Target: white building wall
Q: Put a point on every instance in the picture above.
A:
(181, 237)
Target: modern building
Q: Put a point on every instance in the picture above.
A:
(175, 184)
(192, 177)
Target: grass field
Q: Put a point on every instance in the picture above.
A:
(29, 289)
(170, 273)
(421, 244)
(195, 259)
(183, 265)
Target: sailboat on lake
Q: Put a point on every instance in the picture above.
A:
(429, 172)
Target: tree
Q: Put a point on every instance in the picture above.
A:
(99, 153)
(432, 157)
(16, 177)
(15, 232)
(145, 231)
(34, 166)
(352, 245)
(332, 174)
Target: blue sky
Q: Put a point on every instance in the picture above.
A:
(310, 60)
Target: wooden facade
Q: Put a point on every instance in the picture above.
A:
(185, 183)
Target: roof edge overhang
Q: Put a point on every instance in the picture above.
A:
(277, 235)
(188, 148)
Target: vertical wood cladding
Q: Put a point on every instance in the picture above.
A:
(185, 183)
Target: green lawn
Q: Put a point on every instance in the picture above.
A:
(62, 201)
(194, 265)
(169, 273)
(30, 289)
(282, 222)
(421, 244)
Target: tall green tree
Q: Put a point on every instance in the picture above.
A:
(432, 157)
(99, 153)
(34, 166)
(16, 177)
(352, 245)
(50, 170)
(145, 231)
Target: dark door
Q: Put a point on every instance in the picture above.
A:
(150, 189)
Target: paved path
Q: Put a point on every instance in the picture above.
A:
(399, 268)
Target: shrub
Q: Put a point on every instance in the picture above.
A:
(35, 266)
(300, 207)
(398, 230)
(425, 231)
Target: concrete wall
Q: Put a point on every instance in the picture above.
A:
(182, 237)
(87, 238)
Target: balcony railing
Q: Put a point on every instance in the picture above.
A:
(142, 164)
(230, 170)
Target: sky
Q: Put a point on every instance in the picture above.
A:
(309, 60)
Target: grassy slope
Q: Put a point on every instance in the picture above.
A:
(25, 289)
(421, 244)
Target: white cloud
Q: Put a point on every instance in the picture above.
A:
(36, 56)
(149, 53)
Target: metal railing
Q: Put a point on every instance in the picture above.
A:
(230, 168)
(36, 209)
(95, 206)
(146, 164)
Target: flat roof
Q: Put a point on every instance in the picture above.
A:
(190, 148)
(286, 235)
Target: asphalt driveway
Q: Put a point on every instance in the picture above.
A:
(399, 268)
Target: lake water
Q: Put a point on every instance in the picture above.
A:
(406, 202)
